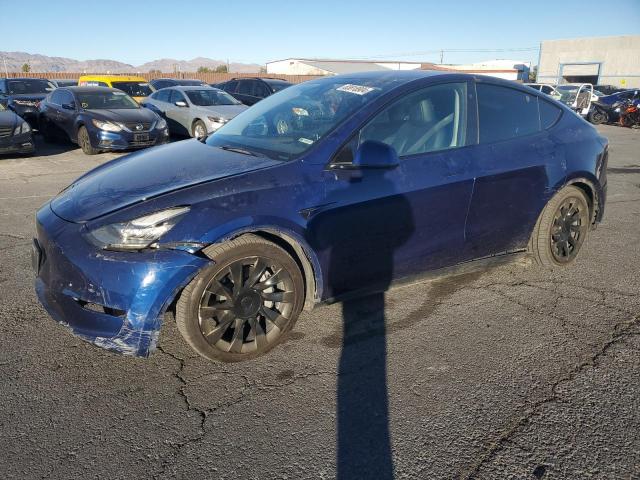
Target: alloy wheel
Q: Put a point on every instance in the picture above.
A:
(247, 305)
(568, 230)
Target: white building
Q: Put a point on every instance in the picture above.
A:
(309, 66)
(508, 69)
(597, 60)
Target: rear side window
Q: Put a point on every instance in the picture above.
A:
(230, 86)
(549, 114)
(177, 96)
(162, 95)
(246, 87)
(505, 113)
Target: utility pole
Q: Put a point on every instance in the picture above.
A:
(441, 56)
(6, 71)
(228, 65)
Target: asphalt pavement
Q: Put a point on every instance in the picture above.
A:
(515, 372)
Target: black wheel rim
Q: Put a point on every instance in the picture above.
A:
(567, 231)
(247, 305)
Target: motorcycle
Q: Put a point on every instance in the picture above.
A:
(629, 113)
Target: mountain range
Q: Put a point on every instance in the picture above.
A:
(43, 63)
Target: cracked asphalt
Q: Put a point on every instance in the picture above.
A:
(515, 372)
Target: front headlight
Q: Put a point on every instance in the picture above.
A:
(218, 121)
(107, 126)
(162, 124)
(22, 128)
(138, 233)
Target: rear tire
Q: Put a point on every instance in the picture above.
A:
(85, 142)
(561, 229)
(243, 305)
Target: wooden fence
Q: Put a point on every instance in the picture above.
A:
(205, 77)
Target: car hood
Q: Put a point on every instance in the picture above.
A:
(224, 111)
(8, 118)
(124, 115)
(149, 173)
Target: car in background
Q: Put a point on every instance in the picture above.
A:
(545, 88)
(194, 111)
(633, 95)
(22, 95)
(100, 119)
(250, 90)
(337, 187)
(159, 83)
(15, 133)
(64, 82)
(137, 88)
(608, 89)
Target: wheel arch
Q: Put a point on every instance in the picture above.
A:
(589, 188)
(301, 254)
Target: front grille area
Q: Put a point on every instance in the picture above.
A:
(132, 126)
(5, 132)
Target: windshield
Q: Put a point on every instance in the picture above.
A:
(67, 83)
(135, 89)
(106, 100)
(35, 85)
(286, 124)
(210, 97)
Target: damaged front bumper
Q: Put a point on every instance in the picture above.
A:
(115, 300)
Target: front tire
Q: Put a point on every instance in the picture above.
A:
(85, 142)
(199, 130)
(243, 305)
(561, 229)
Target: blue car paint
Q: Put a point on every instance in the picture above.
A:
(624, 95)
(467, 202)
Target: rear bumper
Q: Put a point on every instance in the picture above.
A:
(115, 300)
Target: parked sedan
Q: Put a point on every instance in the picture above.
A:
(159, 83)
(340, 186)
(100, 119)
(22, 95)
(194, 111)
(15, 133)
(251, 90)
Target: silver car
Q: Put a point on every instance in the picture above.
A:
(194, 111)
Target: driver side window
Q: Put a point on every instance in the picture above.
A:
(429, 120)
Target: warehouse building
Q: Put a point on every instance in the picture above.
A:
(597, 60)
(508, 69)
(309, 66)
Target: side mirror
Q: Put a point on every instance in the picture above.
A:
(69, 106)
(180, 103)
(372, 154)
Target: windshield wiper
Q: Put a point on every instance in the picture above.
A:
(229, 148)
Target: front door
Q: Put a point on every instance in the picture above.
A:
(377, 225)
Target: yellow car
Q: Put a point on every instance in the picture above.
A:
(136, 87)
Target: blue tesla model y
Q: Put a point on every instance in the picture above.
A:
(325, 190)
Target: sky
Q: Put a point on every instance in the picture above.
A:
(250, 31)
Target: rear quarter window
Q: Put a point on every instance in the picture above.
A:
(505, 113)
(549, 114)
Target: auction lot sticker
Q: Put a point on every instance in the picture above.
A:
(357, 89)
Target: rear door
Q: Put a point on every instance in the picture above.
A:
(518, 165)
